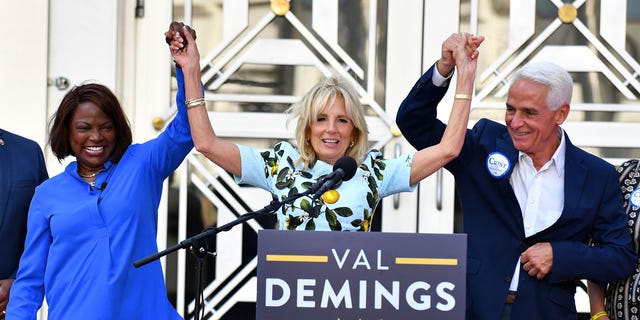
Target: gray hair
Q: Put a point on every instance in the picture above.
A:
(556, 78)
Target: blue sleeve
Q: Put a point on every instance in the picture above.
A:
(40, 175)
(611, 258)
(417, 114)
(174, 143)
(392, 175)
(254, 168)
(27, 291)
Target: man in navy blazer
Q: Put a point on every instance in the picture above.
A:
(22, 169)
(539, 212)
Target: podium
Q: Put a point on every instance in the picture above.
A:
(360, 275)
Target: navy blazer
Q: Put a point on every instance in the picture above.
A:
(22, 168)
(492, 217)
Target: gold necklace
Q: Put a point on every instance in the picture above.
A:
(88, 175)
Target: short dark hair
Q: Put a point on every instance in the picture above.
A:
(101, 96)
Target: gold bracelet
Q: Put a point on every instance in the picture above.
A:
(599, 315)
(193, 105)
(462, 96)
(195, 102)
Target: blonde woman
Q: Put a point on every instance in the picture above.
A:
(330, 125)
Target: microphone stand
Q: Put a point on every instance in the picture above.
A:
(198, 242)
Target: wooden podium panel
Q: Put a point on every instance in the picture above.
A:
(360, 275)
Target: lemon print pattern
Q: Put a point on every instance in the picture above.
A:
(331, 196)
(347, 207)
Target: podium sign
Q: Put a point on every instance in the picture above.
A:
(360, 275)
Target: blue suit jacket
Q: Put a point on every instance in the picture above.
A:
(492, 218)
(22, 168)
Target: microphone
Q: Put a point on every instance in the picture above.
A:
(344, 169)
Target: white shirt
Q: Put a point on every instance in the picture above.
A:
(540, 194)
(438, 79)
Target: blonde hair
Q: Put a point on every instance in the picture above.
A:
(314, 102)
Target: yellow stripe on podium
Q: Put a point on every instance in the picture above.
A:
(296, 258)
(427, 261)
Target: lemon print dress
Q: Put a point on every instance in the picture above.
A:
(349, 208)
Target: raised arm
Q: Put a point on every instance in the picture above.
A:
(463, 50)
(596, 300)
(221, 152)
